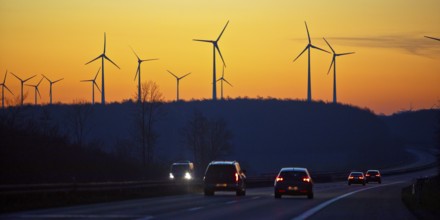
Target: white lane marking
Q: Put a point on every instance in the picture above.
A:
(115, 216)
(255, 197)
(316, 209)
(195, 209)
(231, 202)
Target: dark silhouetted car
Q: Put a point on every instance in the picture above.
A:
(356, 178)
(224, 176)
(373, 176)
(182, 171)
(293, 181)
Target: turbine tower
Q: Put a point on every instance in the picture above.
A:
(3, 85)
(215, 47)
(50, 88)
(334, 68)
(22, 83)
(222, 79)
(103, 56)
(36, 89)
(308, 47)
(178, 79)
(93, 81)
(138, 74)
(433, 38)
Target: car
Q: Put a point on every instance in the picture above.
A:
(373, 176)
(224, 176)
(182, 171)
(356, 178)
(293, 181)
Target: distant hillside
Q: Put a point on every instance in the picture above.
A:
(415, 127)
(268, 134)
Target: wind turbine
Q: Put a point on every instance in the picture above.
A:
(178, 79)
(138, 74)
(308, 47)
(50, 88)
(103, 56)
(36, 89)
(334, 68)
(215, 47)
(438, 39)
(3, 85)
(222, 79)
(93, 85)
(22, 83)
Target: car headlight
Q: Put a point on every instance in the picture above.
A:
(188, 176)
(171, 176)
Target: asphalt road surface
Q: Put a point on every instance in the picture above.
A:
(332, 201)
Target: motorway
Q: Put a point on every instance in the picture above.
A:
(332, 201)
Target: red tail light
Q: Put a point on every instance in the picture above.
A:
(279, 179)
(306, 179)
(378, 174)
(361, 177)
(350, 177)
(367, 174)
(236, 177)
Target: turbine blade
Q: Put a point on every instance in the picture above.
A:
(207, 41)
(343, 54)
(315, 47)
(97, 86)
(16, 76)
(97, 73)
(222, 31)
(137, 72)
(8, 89)
(223, 71)
(4, 80)
(57, 80)
(220, 53)
(94, 59)
(38, 91)
(227, 82)
(333, 61)
(308, 35)
(433, 38)
(29, 78)
(329, 46)
(111, 61)
(184, 75)
(87, 80)
(46, 78)
(41, 80)
(135, 53)
(150, 59)
(104, 42)
(301, 53)
(173, 74)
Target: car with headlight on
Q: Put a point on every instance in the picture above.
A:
(182, 171)
(224, 176)
(356, 178)
(373, 176)
(293, 181)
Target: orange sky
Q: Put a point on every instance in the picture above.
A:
(394, 67)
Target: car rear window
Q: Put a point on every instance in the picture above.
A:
(356, 174)
(372, 172)
(293, 175)
(220, 170)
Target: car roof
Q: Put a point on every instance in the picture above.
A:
(372, 170)
(223, 162)
(182, 163)
(356, 172)
(293, 169)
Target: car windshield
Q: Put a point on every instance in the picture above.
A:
(293, 175)
(180, 168)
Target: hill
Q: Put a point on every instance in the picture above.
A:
(267, 134)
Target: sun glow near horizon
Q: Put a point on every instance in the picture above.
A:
(394, 65)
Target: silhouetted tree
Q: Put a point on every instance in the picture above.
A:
(208, 139)
(79, 115)
(148, 112)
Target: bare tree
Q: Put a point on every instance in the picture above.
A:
(79, 115)
(208, 139)
(148, 112)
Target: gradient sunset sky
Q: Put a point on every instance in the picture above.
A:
(394, 66)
